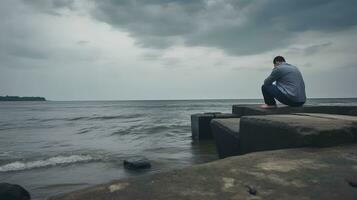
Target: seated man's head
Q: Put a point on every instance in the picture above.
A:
(278, 60)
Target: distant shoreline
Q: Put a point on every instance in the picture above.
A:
(17, 98)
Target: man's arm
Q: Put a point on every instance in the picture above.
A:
(275, 75)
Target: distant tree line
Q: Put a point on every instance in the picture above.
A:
(17, 98)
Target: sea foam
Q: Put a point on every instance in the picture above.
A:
(54, 161)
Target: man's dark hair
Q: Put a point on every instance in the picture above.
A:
(279, 59)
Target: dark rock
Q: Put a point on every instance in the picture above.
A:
(251, 189)
(13, 192)
(136, 163)
(352, 181)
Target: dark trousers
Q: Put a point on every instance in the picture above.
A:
(271, 92)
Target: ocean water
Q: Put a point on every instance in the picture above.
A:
(55, 147)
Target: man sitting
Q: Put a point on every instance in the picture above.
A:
(289, 87)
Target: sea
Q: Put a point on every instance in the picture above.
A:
(54, 147)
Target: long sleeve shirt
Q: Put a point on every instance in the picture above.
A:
(289, 81)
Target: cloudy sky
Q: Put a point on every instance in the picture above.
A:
(173, 49)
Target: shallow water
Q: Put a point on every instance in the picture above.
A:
(55, 147)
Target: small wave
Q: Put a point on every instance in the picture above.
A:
(108, 117)
(84, 130)
(93, 117)
(78, 118)
(58, 160)
(168, 127)
(139, 129)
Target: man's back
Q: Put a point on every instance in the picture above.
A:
(289, 81)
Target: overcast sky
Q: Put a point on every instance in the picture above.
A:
(173, 49)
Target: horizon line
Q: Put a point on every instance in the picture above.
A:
(197, 99)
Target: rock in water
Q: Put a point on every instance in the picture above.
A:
(136, 163)
(251, 189)
(13, 192)
(352, 181)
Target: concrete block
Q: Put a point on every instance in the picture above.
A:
(254, 109)
(200, 124)
(226, 136)
(269, 132)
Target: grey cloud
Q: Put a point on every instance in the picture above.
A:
(17, 48)
(241, 68)
(62, 3)
(151, 56)
(24, 41)
(82, 42)
(28, 52)
(153, 23)
(236, 26)
(53, 13)
(315, 48)
(309, 50)
(350, 66)
(306, 65)
(171, 62)
(49, 6)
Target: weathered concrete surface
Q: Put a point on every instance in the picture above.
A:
(330, 116)
(268, 132)
(294, 174)
(200, 124)
(254, 109)
(226, 136)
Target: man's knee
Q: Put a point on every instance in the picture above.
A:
(264, 87)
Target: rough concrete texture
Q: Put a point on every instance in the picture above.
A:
(294, 174)
(236, 136)
(254, 109)
(200, 124)
(330, 116)
(226, 136)
(268, 132)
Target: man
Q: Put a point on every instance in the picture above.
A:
(289, 87)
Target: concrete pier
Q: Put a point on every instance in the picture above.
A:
(269, 132)
(200, 122)
(294, 174)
